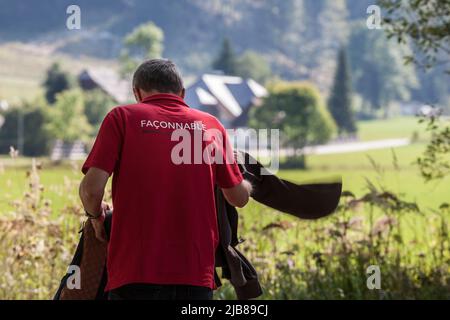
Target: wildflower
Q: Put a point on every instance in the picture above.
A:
(290, 263)
(355, 223)
(383, 224)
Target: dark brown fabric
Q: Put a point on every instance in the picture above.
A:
(235, 266)
(92, 266)
(304, 201)
(309, 201)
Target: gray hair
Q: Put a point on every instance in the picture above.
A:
(160, 75)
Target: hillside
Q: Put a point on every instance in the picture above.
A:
(298, 38)
(284, 31)
(23, 68)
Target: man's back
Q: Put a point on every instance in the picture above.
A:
(164, 224)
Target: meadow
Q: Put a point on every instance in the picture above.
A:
(388, 217)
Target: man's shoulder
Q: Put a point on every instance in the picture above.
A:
(211, 120)
(120, 110)
(123, 107)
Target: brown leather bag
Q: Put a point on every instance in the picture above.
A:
(92, 267)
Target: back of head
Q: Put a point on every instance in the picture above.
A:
(158, 75)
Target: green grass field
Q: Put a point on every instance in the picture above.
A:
(399, 127)
(354, 168)
(295, 259)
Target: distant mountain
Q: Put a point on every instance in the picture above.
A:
(294, 34)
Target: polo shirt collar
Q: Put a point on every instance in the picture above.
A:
(166, 97)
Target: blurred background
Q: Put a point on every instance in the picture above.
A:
(358, 88)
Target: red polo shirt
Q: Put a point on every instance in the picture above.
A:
(164, 227)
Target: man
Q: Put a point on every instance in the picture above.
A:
(164, 228)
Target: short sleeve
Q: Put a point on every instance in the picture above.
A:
(106, 150)
(228, 174)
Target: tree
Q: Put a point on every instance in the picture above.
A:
(35, 138)
(426, 24)
(423, 23)
(144, 42)
(297, 110)
(434, 164)
(252, 65)
(378, 72)
(226, 60)
(432, 88)
(340, 101)
(96, 106)
(55, 82)
(66, 120)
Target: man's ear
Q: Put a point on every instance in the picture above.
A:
(137, 94)
(182, 94)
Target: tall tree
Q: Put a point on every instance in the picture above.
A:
(55, 82)
(226, 60)
(144, 42)
(340, 101)
(298, 111)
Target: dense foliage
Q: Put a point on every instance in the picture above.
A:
(299, 38)
(144, 42)
(425, 24)
(24, 129)
(66, 119)
(297, 110)
(56, 81)
(96, 105)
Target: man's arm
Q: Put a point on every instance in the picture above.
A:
(239, 195)
(92, 189)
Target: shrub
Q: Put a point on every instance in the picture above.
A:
(297, 110)
(35, 138)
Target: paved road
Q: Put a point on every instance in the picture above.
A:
(357, 146)
(346, 147)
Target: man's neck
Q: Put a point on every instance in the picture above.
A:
(145, 95)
